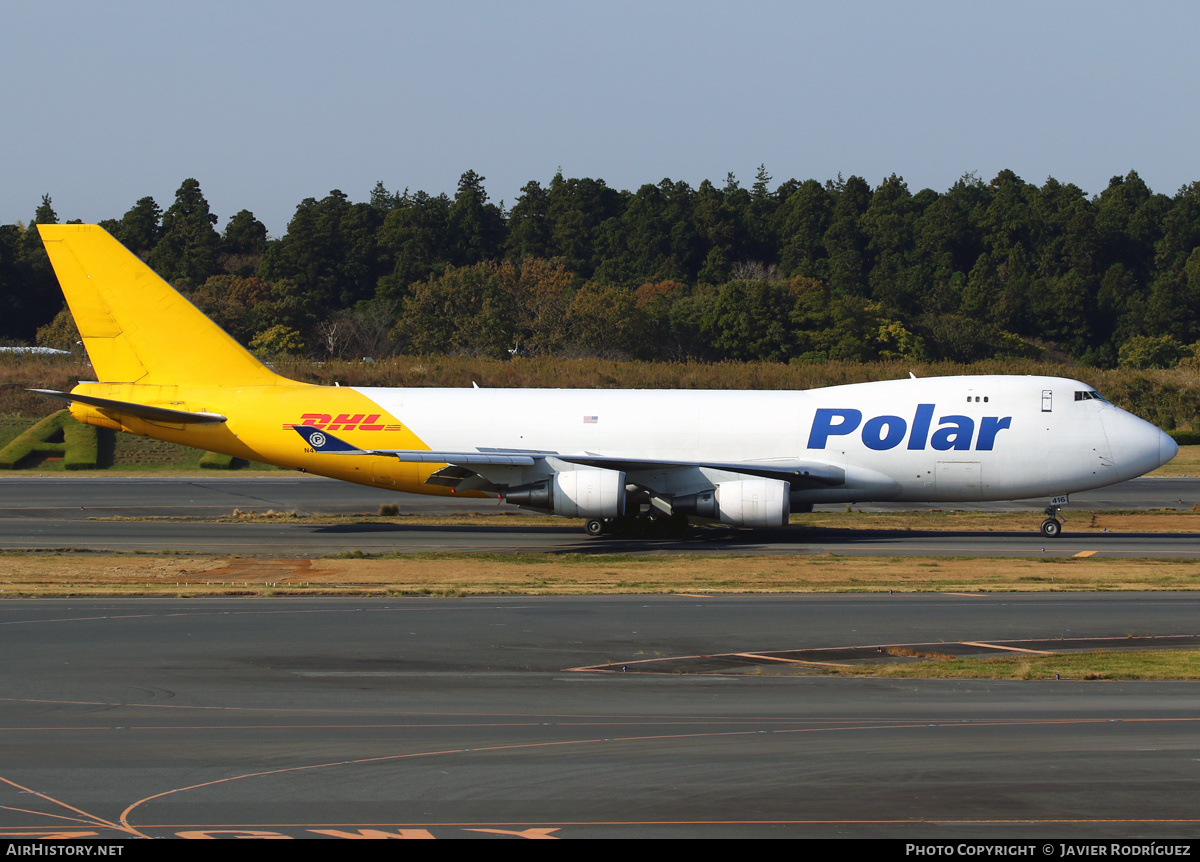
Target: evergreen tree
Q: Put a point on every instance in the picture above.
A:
(243, 244)
(33, 294)
(331, 251)
(528, 224)
(186, 253)
(475, 227)
(800, 223)
(140, 229)
(413, 243)
(575, 211)
(383, 200)
(715, 225)
(844, 241)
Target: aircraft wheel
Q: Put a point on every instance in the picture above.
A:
(657, 528)
(594, 527)
(1051, 528)
(619, 526)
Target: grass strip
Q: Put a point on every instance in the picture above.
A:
(445, 574)
(935, 520)
(1095, 665)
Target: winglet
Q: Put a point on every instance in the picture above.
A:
(324, 442)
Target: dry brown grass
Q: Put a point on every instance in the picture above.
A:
(1093, 665)
(545, 574)
(19, 373)
(1186, 463)
(1081, 522)
(1076, 522)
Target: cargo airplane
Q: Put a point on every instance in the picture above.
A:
(627, 461)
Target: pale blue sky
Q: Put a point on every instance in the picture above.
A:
(266, 103)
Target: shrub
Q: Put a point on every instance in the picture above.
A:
(1148, 351)
(216, 461)
(82, 443)
(1186, 438)
(57, 434)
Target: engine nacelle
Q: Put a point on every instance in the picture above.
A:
(588, 493)
(741, 503)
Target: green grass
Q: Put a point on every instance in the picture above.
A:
(11, 428)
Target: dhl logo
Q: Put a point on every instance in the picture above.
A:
(347, 422)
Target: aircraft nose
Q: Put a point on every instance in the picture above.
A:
(1167, 448)
(1137, 446)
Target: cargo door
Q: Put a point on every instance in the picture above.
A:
(959, 480)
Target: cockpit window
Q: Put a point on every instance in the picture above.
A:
(1090, 395)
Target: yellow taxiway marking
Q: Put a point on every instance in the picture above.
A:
(1085, 553)
(761, 657)
(1008, 648)
(84, 817)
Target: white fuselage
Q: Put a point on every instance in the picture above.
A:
(936, 439)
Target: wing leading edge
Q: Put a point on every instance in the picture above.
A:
(793, 471)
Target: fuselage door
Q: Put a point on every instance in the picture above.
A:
(383, 471)
(1047, 400)
(959, 480)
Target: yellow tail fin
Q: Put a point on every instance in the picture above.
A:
(135, 326)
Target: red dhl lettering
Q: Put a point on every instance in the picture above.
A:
(346, 422)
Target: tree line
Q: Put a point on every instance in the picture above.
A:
(800, 271)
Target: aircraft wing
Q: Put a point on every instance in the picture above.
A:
(327, 444)
(788, 470)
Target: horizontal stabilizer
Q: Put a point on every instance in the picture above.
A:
(141, 411)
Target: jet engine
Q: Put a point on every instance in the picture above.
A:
(588, 493)
(741, 503)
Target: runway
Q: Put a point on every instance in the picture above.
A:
(75, 514)
(459, 718)
(469, 718)
(71, 498)
(313, 540)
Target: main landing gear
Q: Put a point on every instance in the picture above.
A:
(1052, 526)
(639, 526)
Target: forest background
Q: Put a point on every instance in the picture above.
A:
(803, 272)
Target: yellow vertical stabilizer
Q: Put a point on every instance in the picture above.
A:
(135, 326)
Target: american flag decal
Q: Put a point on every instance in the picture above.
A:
(590, 420)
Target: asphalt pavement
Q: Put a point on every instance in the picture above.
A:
(465, 718)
